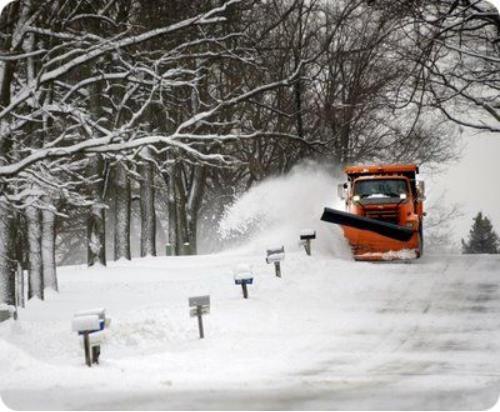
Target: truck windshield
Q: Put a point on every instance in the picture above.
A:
(380, 188)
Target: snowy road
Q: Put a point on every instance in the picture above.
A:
(332, 334)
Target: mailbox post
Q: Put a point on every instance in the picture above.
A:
(199, 305)
(276, 255)
(243, 276)
(90, 324)
(305, 239)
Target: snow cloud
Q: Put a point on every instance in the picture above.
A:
(276, 211)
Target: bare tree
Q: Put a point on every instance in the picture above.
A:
(452, 58)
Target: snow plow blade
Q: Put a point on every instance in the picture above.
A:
(389, 230)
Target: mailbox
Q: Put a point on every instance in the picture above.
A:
(86, 324)
(199, 306)
(243, 281)
(204, 310)
(306, 236)
(199, 301)
(100, 312)
(97, 338)
(91, 324)
(276, 255)
(243, 276)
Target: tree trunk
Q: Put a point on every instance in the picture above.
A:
(180, 212)
(193, 205)
(122, 212)
(7, 257)
(96, 220)
(48, 250)
(35, 267)
(147, 203)
(172, 211)
(96, 236)
(192, 228)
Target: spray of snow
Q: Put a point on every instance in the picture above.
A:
(276, 211)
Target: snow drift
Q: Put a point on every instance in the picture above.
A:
(424, 336)
(276, 211)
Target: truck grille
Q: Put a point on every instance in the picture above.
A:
(390, 216)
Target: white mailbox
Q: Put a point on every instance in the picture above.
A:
(86, 323)
(101, 312)
(276, 257)
(97, 338)
(242, 271)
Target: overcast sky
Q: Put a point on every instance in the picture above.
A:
(473, 181)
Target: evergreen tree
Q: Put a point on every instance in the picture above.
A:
(482, 237)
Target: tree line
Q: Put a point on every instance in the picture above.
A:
(121, 111)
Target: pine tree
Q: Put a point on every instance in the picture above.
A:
(482, 237)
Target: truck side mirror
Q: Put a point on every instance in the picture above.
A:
(341, 190)
(421, 190)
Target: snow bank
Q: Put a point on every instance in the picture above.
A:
(279, 209)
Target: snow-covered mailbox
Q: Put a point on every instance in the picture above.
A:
(199, 306)
(276, 255)
(243, 276)
(305, 239)
(91, 324)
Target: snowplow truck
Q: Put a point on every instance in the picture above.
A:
(384, 212)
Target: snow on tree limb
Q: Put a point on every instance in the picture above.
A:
(98, 50)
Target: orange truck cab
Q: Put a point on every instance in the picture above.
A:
(384, 212)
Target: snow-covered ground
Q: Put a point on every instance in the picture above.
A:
(330, 334)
